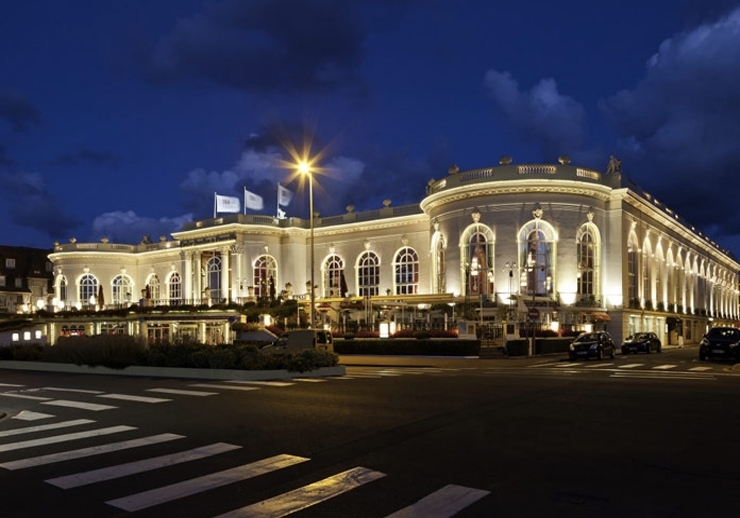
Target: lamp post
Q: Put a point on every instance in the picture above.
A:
(305, 169)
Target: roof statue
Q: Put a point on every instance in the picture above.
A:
(614, 166)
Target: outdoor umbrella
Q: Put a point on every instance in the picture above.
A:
(101, 298)
(342, 284)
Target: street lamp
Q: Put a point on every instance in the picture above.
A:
(305, 169)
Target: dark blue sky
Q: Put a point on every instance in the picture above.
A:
(120, 119)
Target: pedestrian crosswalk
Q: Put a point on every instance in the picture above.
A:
(637, 370)
(312, 491)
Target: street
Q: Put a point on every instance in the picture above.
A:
(648, 435)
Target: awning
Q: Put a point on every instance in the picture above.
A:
(603, 317)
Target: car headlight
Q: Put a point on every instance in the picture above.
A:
(570, 347)
(704, 343)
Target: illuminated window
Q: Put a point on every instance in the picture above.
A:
(333, 271)
(26, 335)
(174, 285)
(213, 278)
(122, 289)
(265, 276)
(88, 288)
(37, 334)
(368, 274)
(406, 267)
(15, 337)
(10, 263)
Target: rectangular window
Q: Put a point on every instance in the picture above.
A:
(19, 283)
(2, 280)
(9, 263)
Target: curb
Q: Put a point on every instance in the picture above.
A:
(174, 372)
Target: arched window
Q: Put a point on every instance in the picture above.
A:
(439, 274)
(174, 288)
(88, 288)
(587, 257)
(265, 268)
(476, 258)
(632, 278)
(123, 288)
(537, 249)
(406, 268)
(368, 274)
(213, 278)
(62, 280)
(154, 287)
(332, 270)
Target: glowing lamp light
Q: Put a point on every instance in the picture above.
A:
(384, 330)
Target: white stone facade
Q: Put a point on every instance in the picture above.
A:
(584, 247)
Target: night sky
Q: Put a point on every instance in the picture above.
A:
(121, 119)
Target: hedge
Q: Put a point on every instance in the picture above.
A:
(121, 351)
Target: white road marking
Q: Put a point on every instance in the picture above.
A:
(665, 375)
(27, 415)
(63, 438)
(44, 427)
(230, 387)
(551, 364)
(79, 404)
(138, 399)
(182, 392)
(631, 365)
(700, 369)
(444, 503)
(198, 485)
(81, 391)
(264, 383)
(665, 367)
(306, 496)
(9, 385)
(597, 365)
(131, 468)
(572, 364)
(309, 380)
(88, 452)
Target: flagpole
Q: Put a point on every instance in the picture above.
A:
(245, 200)
(277, 208)
(215, 194)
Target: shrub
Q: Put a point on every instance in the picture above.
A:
(113, 351)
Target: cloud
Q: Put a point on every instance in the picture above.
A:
(86, 156)
(264, 46)
(679, 125)
(128, 227)
(17, 110)
(31, 205)
(553, 122)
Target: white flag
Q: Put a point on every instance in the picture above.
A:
(227, 204)
(281, 213)
(284, 196)
(253, 201)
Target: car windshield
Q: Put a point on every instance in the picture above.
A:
(724, 333)
(588, 337)
(639, 336)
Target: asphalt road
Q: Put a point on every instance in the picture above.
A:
(639, 436)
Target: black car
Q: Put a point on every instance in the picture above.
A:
(592, 345)
(641, 342)
(720, 342)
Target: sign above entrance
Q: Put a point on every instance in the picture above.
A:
(533, 313)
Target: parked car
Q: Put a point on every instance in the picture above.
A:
(592, 345)
(641, 342)
(302, 339)
(720, 342)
